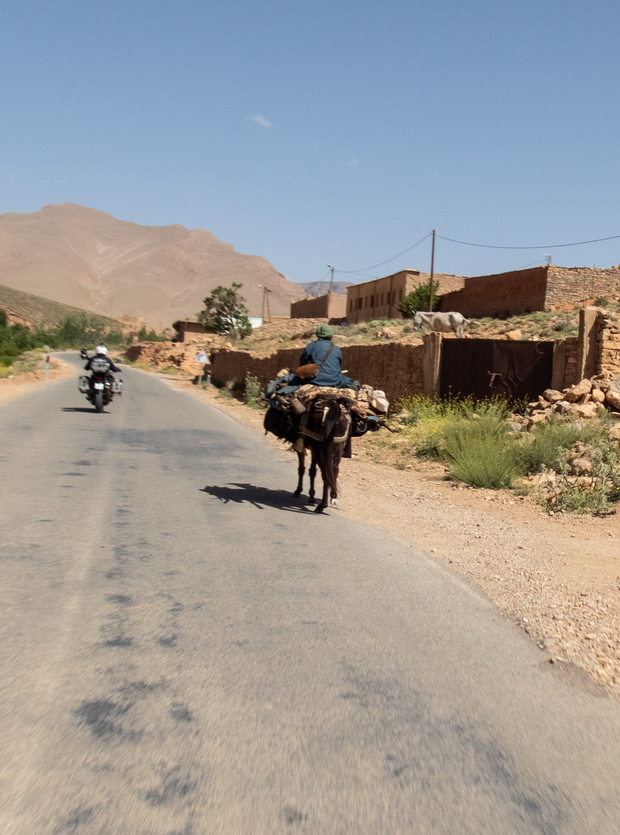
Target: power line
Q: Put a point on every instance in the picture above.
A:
(468, 243)
(360, 274)
(547, 246)
(374, 266)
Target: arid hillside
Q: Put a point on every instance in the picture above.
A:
(88, 259)
(37, 312)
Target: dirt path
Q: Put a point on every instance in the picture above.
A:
(557, 577)
(32, 380)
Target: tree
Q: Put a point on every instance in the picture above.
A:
(225, 311)
(418, 299)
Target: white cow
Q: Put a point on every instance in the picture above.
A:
(441, 322)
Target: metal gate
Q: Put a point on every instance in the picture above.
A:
(484, 368)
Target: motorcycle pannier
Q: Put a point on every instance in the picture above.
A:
(84, 384)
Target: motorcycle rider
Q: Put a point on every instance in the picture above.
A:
(84, 354)
(101, 353)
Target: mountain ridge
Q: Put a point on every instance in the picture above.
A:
(89, 259)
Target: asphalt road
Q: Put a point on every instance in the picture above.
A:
(185, 650)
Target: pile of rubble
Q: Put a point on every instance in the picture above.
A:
(586, 399)
(179, 355)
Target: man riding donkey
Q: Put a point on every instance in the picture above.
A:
(319, 407)
(328, 357)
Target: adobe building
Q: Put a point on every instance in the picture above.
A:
(378, 299)
(525, 291)
(185, 328)
(329, 306)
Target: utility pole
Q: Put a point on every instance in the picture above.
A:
(430, 283)
(331, 280)
(265, 305)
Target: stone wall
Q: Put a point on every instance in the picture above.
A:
(502, 295)
(608, 339)
(395, 367)
(403, 369)
(575, 285)
(565, 363)
(570, 372)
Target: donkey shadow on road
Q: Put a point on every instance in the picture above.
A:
(260, 497)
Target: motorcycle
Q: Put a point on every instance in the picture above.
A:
(101, 386)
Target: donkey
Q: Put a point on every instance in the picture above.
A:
(326, 433)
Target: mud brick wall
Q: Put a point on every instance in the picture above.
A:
(230, 365)
(396, 368)
(608, 360)
(505, 294)
(576, 285)
(330, 306)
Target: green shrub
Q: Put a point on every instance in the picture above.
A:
(601, 301)
(145, 335)
(479, 452)
(545, 446)
(421, 408)
(419, 299)
(252, 390)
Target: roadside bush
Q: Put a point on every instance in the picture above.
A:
(479, 452)
(145, 335)
(545, 446)
(595, 493)
(252, 391)
(421, 408)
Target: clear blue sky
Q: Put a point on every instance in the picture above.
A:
(313, 132)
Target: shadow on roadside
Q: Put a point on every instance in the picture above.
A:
(260, 497)
(90, 411)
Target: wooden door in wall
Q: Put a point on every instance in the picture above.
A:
(485, 368)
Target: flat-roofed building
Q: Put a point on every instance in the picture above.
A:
(329, 306)
(185, 328)
(379, 298)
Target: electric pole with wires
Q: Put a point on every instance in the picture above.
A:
(430, 283)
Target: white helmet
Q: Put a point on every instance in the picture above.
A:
(101, 349)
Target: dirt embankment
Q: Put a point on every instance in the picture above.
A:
(17, 384)
(557, 577)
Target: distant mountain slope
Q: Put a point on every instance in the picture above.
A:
(37, 312)
(89, 259)
(320, 288)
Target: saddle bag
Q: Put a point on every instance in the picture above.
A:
(308, 371)
(311, 369)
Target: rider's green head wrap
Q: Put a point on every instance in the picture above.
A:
(325, 332)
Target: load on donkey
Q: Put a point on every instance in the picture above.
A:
(317, 408)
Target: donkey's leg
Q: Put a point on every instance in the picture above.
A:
(323, 503)
(301, 469)
(333, 457)
(312, 473)
(333, 487)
